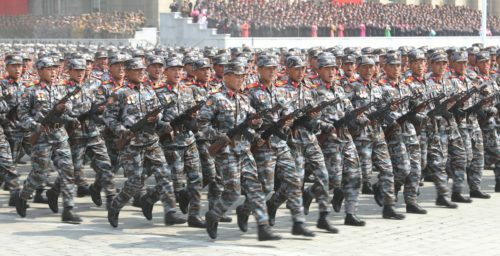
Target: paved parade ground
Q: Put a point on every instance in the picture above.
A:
(472, 229)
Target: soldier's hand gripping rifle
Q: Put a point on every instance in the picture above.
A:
(53, 116)
(241, 129)
(304, 119)
(92, 113)
(139, 126)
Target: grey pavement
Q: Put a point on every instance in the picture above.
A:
(472, 229)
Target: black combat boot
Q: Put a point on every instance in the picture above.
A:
(307, 199)
(242, 218)
(172, 218)
(95, 194)
(299, 229)
(479, 194)
(212, 222)
(338, 197)
(147, 203)
(21, 204)
(378, 194)
(265, 233)
(83, 190)
(68, 216)
(113, 214)
(367, 188)
(390, 213)
(196, 222)
(183, 199)
(459, 198)
(271, 211)
(52, 197)
(323, 223)
(415, 208)
(353, 220)
(442, 201)
(40, 198)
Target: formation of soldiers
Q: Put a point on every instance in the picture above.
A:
(275, 125)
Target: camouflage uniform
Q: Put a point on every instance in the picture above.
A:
(86, 138)
(51, 144)
(370, 139)
(225, 110)
(403, 143)
(180, 149)
(341, 156)
(143, 156)
(472, 140)
(274, 158)
(8, 172)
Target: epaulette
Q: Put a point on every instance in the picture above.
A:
(253, 85)
(280, 83)
(409, 80)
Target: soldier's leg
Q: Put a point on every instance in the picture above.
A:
(475, 170)
(228, 166)
(175, 159)
(101, 164)
(155, 163)
(64, 165)
(7, 168)
(492, 152)
(253, 188)
(423, 150)
(291, 183)
(400, 161)
(364, 149)
(78, 149)
(211, 174)
(459, 155)
(265, 159)
(351, 177)
(436, 161)
(132, 162)
(40, 163)
(314, 157)
(412, 181)
(382, 162)
(113, 153)
(192, 169)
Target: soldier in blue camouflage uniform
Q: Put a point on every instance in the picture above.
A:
(225, 110)
(274, 158)
(370, 139)
(100, 67)
(438, 128)
(202, 89)
(341, 156)
(50, 141)
(84, 134)
(402, 139)
(488, 119)
(179, 146)
(112, 83)
(10, 89)
(303, 143)
(470, 133)
(142, 155)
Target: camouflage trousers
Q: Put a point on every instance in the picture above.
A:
(8, 172)
(492, 150)
(474, 151)
(186, 161)
(423, 141)
(344, 171)
(375, 154)
(456, 160)
(404, 150)
(139, 162)
(19, 143)
(110, 142)
(210, 173)
(310, 155)
(240, 170)
(279, 163)
(94, 147)
(60, 155)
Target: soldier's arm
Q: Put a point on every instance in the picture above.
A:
(206, 117)
(112, 114)
(28, 122)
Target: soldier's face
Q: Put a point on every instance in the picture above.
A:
(48, 74)
(459, 67)
(366, 71)
(498, 60)
(101, 63)
(484, 67)
(117, 70)
(418, 67)
(327, 74)
(268, 74)
(234, 81)
(349, 69)
(203, 74)
(439, 67)
(77, 74)
(219, 70)
(313, 62)
(189, 69)
(27, 64)
(296, 73)
(174, 74)
(14, 70)
(155, 70)
(393, 71)
(135, 75)
(89, 68)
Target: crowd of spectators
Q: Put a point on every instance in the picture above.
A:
(324, 18)
(93, 25)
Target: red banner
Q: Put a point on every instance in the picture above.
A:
(342, 2)
(14, 7)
